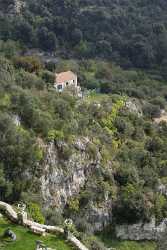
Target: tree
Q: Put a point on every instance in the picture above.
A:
(31, 64)
(46, 39)
(6, 71)
(5, 185)
(76, 36)
(104, 48)
(18, 151)
(132, 206)
(23, 31)
(141, 52)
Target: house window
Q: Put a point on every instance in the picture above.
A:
(59, 87)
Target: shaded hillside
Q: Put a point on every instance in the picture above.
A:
(132, 33)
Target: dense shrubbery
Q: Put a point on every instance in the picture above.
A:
(35, 212)
(133, 148)
(132, 33)
(134, 145)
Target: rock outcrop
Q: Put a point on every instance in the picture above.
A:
(141, 231)
(133, 106)
(64, 176)
(99, 217)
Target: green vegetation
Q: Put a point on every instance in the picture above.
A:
(109, 241)
(131, 245)
(129, 140)
(27, 240)
(35, 212)
(132, 33)
(121, 63)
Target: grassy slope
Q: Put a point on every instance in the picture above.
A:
(26, 240)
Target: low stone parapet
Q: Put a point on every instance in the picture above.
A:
(9, 211)
(37, 227)
(75, 242)
(38, 230)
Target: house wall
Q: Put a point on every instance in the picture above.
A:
(64, 84)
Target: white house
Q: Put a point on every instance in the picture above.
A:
(66, 79)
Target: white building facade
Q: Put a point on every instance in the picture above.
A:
(65, 79)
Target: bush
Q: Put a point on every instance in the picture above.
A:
(53, 217)
(48, 77)
(6, 71)
(132, 206)
(160, 207)
(73, 205)
(29, 81)
(93, 243)
(83, 226)
(28, 63)
(92, 151)
(35, 212)
(151, 111)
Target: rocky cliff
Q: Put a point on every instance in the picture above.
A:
(141, 231)
(65, 171)
(64, 175)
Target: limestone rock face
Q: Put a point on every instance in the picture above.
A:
(62, 178)
(134, 107)
(64, 174)
(141, 231)
(12, 7)
(100, 217)
(162, 189)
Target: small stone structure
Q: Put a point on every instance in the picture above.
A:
(9, 233)
(22, 215)
(68, 223)
(41, 246)
(38, 230)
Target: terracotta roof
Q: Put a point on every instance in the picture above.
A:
(65, 76)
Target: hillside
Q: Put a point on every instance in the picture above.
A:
(99, 158)
(131, 33)
(25, 238)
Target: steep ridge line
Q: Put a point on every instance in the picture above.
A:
(13, 216)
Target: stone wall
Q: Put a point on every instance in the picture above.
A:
(9, 211)
(141, 231)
